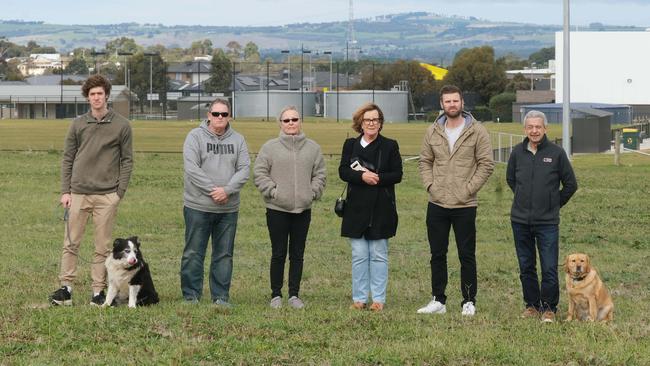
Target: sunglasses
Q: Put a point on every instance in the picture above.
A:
(217, 114)
(291, 120)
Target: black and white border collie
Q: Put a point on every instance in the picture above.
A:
(128, 275)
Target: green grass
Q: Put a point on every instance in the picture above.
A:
(608, 218)
(168, 136)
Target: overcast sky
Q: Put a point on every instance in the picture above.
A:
(279, 12)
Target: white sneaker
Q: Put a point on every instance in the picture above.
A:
(276, 302)
(295, 302)
(433, 307)
(469, 309)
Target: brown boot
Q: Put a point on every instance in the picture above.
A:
(548, 316)
(357, 305)
(530, 312)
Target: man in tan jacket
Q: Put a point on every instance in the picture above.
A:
(455, 162)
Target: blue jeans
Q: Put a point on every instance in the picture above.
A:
(369, 269)
(199, 226)
(544, 296)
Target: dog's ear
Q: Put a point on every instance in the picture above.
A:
(135, 241)
(116, 242)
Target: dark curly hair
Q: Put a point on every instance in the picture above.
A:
(95, 81)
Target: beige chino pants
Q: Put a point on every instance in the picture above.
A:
(103, 209)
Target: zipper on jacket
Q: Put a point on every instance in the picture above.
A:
(532, 189)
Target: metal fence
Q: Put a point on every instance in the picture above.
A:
(502, 145)
(154, 91)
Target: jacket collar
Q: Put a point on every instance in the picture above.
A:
(108, 117)
(469, 119)
(541, 145)
(292, 140)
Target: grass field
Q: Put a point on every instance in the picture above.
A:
(607, 218)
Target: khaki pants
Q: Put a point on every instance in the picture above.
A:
(103, 209)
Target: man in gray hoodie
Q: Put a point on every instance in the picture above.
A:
(217, 165)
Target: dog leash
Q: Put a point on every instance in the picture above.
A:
(66, 217)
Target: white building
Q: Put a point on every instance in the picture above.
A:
(606, 67)
(38, 63)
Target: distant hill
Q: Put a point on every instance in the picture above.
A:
(426, 36)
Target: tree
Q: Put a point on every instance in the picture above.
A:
(77, 66)
(122, 44)
(512, 62)
(140, 73)
(542, 56)
(518, 82)
(251, 52)
(9, 71)
(234, 50)
(421, 83)
(501, 106)
(33, 47)
(199, 48)
(220, 80)
(475, 70)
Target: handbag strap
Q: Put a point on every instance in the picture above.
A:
(344, 190)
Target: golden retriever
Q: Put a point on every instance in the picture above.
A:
(588, 297)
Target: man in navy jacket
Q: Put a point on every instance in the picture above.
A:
(535, 170)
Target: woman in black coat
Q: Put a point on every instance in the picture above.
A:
(371, 165)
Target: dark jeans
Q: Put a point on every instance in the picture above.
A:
(287, 230)
(547, 295)
(463, 220)
(199, 227)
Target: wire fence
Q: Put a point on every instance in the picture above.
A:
(183, 89)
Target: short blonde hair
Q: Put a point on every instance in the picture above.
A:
(288, 108)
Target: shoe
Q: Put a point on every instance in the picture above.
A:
(99, 299)
(61, 297)
(530, 312)
(222, 304)
(276, 302)
(377, 307)
(468, 309)
(295, 302)
(433, 307)
(548, 317)
(358, 305)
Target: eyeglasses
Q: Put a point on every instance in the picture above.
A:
(287, 120)
(371, 121)
(217, 114)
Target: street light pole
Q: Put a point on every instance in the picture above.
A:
(532, 76)
(126, 75)
(329, 53)
(288, 52)
(95, 54)
(566, 98)
(151, 55)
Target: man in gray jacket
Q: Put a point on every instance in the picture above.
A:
(536, 169)
(217, 166)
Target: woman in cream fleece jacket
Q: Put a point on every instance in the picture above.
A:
(290, 174)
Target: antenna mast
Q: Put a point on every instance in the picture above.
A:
(351, 45)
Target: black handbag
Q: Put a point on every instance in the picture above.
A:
(339, 205)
